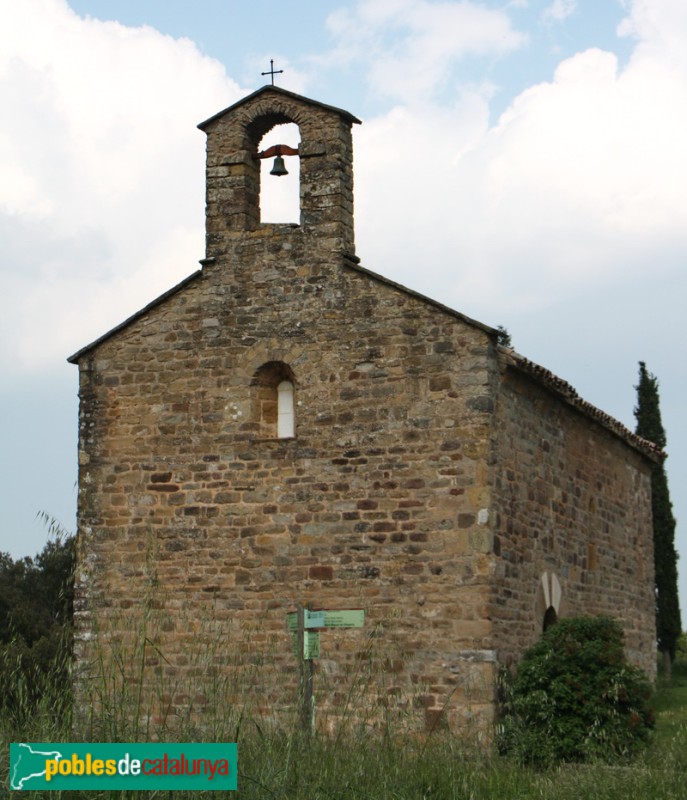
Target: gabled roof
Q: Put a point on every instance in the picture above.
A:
(285, 93)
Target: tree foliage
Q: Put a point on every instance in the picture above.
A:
(36, 611)
(575, 698)
(503, 337)
(650, 426)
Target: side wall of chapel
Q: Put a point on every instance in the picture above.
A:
(573, 505)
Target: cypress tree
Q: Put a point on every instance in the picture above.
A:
(649, 426)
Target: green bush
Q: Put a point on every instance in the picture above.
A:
(36, 611)
(575, 698)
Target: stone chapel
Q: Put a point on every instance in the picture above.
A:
(287, 427)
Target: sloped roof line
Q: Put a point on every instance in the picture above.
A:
(349, 261)
(73, 359)
(569, 394)
(285, 93)
(352, 263)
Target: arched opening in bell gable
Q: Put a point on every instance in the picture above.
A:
(280, 193)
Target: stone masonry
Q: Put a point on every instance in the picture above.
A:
(452, 489)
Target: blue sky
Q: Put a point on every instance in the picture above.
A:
(521, 161)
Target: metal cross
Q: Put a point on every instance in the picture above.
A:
(272, 71)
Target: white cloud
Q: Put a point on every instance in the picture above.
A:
(102, 172)
(558, 11)
(410, 46)
(588, 171)
(660, 27)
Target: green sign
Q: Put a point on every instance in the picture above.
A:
(311, 619)
(137, 766)
(328, 618)
(311, 645)
(314, 619)
(344, 618)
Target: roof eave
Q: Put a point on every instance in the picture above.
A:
(569, 395)
(74, 359)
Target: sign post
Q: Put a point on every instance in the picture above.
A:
(305, 624)
(307, 670)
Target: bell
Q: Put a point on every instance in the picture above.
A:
(279, 168)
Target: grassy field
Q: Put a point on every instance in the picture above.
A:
(670, 704)
(279, 767)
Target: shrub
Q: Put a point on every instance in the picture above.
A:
(36, 611)
(575, 698)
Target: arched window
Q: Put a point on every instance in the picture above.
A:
(274, 401)
(549, 599)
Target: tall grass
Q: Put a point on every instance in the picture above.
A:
(277, 761)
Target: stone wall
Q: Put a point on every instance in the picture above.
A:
(375, 503)
(572, 499)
